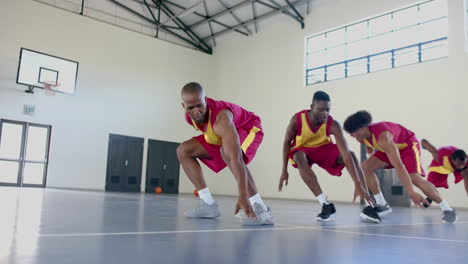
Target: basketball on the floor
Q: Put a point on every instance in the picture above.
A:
(195, 192)
(158, 190)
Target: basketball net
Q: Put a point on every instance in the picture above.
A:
(49, 87)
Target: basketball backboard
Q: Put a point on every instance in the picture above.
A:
(37, 70)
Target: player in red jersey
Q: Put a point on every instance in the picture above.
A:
(231, 137)
(395, 147)
(308, 141)
(446, 160)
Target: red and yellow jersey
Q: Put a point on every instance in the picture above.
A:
(306, 137)
(242, 119)
(444, 165)
(402, 137)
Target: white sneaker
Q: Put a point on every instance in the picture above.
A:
(204, 210)
(264, 217)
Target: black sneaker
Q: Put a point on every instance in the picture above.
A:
(369, 214)
(429, 201)
(383, 210)
(327, 214)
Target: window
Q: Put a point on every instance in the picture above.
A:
(402, 37)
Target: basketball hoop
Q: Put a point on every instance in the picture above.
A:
(49, 87)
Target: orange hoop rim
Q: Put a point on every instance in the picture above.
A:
(48, 87)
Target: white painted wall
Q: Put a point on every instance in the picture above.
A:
(128, 84)
(265, 74)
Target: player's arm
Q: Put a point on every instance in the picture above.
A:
(336, 131)
(358, 178)
(388, 146)
(230, 146)
(386, 143)
(288, 138)
(225, 129)
(464, 173)
(429, 147)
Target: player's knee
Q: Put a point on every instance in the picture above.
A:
(300, 159)
(229, 158)
(367, 167)
(416, 179)
(183, 150)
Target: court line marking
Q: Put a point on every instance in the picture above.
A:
(383, 235)
(286, 227)
(166, 232)
(394, 236)
(369, 225)
(388, 225)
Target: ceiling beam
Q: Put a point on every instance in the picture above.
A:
(282, 9)
(194, 44)
(199, 15)
(234, 16)
(232, 8)
(263, 16)
(187, 30)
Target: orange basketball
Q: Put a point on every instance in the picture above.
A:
(195, 193)
(158, 190)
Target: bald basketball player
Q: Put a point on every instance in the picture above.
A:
(230, 137)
